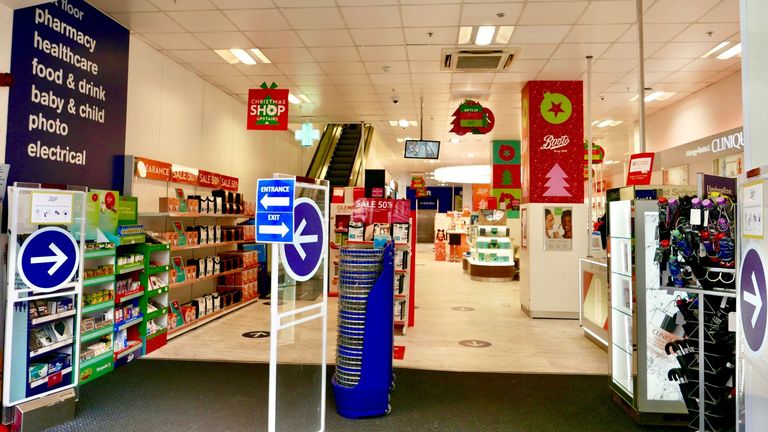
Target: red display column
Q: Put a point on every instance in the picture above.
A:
(553, 142)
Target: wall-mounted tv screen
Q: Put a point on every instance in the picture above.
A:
(422, 149)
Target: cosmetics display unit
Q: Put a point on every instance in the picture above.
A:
(364, 377)
(594, 302)
(491, 256)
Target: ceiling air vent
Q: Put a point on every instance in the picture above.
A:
(480, 60)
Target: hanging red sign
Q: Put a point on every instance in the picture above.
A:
(152, 169)
(598, 154)
(471, 117)
(208, 179)
(640, 169)
(182, 174)
(230, 183)
(267, 108)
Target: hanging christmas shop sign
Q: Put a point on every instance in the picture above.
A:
(471, 117)
(598, 154)
(268, 108)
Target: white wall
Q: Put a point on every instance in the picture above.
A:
(714, 109)
(6, 29)
(176, 116)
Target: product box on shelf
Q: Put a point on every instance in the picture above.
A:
(401, 232)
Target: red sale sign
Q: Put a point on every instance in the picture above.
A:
(640, 169)
(379, 210)
(553, 135)
(268, 108)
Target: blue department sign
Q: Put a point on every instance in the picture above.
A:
(274, 210)
(48, 259)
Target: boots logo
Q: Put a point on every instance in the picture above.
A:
(552, 143)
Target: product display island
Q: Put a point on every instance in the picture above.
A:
(491, 257)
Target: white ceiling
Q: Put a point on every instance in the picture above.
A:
(335, 52)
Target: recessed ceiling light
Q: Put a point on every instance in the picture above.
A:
(403, 123)
(719, 46)
(393, 123)
(471, 155)
(504, 34)
(455, 140)
(604, 123)
(633, 98)
(400, 140)
(227, 56)
(730, 52)
(293, 99)
(464, 174)
(414, 123)
(305, 98)
(484, 35)
(260, 55)
(598, 121)
(243, 56)
(465, 35)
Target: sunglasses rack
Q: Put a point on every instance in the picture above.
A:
(695, 252)
(363, 377)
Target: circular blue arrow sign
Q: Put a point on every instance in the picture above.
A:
(302, 258)
(753, 301)
(48, 259)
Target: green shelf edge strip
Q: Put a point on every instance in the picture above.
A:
(157, 247)
(96, 359)
(155, 314)
(158, 291)
(99, 253)
(157, 333)
(98, 306)
(158, 269)
(128, 268)
(98, 280)
(96, 334)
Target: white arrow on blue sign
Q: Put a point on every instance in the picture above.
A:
(303, 256)
(754, 310)
(48, 259)
(274, 210)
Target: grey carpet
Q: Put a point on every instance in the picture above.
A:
(156, 395)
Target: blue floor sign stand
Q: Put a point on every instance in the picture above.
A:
(48, 259)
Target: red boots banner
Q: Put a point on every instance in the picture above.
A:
(553, 142)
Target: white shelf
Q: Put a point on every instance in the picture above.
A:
(492, 250)
(44, 380)
(500, 239)
(484, 263)
(54, 317)
(51, 347)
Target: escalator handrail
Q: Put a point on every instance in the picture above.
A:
(325, 149)
(361, 155)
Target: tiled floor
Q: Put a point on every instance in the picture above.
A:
(518, 343)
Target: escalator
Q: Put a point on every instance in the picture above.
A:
(341, 153)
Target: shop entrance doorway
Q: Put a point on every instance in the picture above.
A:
(425, 226)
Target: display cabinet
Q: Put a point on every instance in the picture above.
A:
(491, 256)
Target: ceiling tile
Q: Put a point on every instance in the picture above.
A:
(231, 80)
(486, 14)
(372, 17)
(677, 11)
(726, 11)
(579, 51)
(429, 87)
(425, 52)
(552, 13)
(288, 55)
(258, 19)
(259, 69)
(335, 54)
(332, 68)
(701, 32)
(197, 56)
(625, 50)
(527, 65)
(710, 65)
(607, 65)
(174, 40)
(304, 3)
(186, 5)
(217, 69)
(390, 78)
(243, 4)
(677, 50)
(224, 40)
(378, 36)
(352, 91)
(437, 78)
(350, 79)
(382, 53)
(654, 32)
(603, 77)
(535, 52)
(609, 12)
(300, 68)
(539, 34)
(203, 21)
(314, 18)
(665, 65)
(148, 22)
(424, 66)
(430, 16)
(369, 2)
(275, 39)
(700, 77)
(519, 77)
(439, 35)
(311, 80)
(472, 78)
(596, 33)
(325, 38)
(395, 67)
(124, 6)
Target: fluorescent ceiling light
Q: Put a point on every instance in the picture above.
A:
(455, 140)
(414, 123)
(464, 174)
(484, 35)
(719, 46)
(404, 123)
(653, 96)
(393, 123)
(227, 56)
(243, 56)
(504, 34)
(260, 55)
(595, 122)
(293, 99)
(730, 52)
(465, 35)
(633, 98)
(471, 155)
(400, 140)
(305, 98)
(616, 122)
(610, 162)
(604, 123)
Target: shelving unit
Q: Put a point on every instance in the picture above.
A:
(491, 255)
(101, 314)
(154, 303)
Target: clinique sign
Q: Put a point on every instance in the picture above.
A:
(730, 141)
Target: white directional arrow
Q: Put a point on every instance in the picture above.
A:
(755, 300)
(300, 238)
(274, 229)
(272, 201)
(58, 259)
